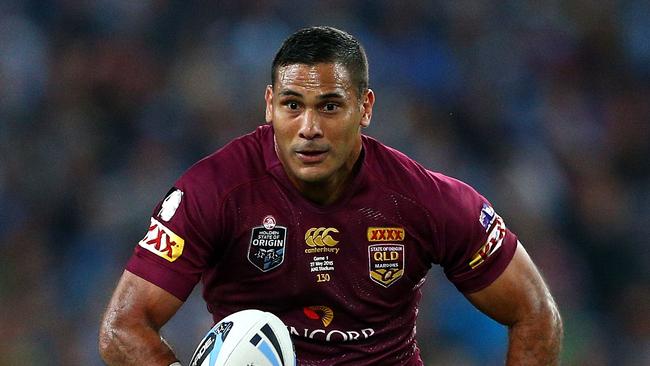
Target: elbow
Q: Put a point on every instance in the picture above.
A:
(109, 344)
(544, 323)
(536, 338)
(550, 330)
(106, 346)
(555, 323)
(548, 316)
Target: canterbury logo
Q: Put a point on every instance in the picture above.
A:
(378, 234)
(320, 237)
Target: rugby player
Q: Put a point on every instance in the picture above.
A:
(327, 228)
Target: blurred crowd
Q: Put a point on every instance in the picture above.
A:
(543, 106)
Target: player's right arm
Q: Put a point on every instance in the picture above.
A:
(165, 266)
(130, 329)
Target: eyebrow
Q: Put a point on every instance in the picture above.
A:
(335, 95)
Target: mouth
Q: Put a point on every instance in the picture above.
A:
(311, 156)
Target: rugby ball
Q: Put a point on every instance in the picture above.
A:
(247, 337)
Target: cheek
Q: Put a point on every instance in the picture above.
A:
(284, 137)
(343, 142)
(280, 138)
(284, 133)
(352, 131)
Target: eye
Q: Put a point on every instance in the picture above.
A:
(330, 107)
(291, 105)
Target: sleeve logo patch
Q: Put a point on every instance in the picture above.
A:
(162, 242)
(170, 204)
(487, 216)
(496, 229)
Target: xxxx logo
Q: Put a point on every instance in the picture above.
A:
(320, 237)
(384, 234)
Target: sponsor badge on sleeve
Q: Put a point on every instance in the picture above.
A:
(170, 204)
(162, 242)
(496, 229)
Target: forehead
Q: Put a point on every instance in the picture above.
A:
(322, 77)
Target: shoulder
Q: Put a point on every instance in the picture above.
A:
(396, 170)
(442, 196)
(241, 160)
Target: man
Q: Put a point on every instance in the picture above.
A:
(328, 229)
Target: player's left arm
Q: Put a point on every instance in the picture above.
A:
(520, 299)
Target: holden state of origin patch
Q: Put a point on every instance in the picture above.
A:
(267, 245)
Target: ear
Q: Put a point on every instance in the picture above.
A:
(268, 96)
(366, 107)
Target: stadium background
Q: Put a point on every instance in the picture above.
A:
(542, 106)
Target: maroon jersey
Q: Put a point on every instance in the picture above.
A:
(345, 278)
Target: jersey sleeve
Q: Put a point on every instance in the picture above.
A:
(475, 244)
(179, 243)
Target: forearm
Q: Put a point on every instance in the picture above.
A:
(536, 341)
(134, 346)
(130, 330)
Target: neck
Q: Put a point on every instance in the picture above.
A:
(328, 192)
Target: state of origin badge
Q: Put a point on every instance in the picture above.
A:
(267, 245)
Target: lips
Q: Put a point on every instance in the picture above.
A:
(311, 156)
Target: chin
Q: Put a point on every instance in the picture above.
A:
(312, 175)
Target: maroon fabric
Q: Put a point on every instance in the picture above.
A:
(333, 279)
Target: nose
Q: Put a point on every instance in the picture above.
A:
(310, 126)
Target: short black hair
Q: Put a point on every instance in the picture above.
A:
(322, 44)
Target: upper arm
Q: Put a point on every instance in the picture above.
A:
(137, 302)
(517, 294)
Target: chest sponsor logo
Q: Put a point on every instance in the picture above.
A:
(386, 263)
(325, 315)
(321, 240)
(333, 335)
(267, 245)
(322, 313)
(162, 242)
(385, 234)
